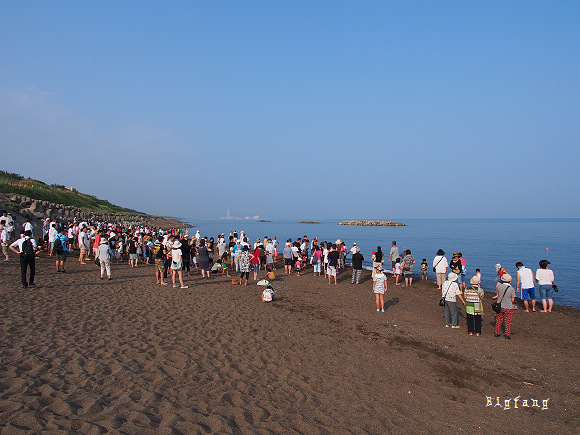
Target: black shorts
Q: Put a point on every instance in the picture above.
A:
(288, 262)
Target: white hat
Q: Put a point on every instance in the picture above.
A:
(452, 276)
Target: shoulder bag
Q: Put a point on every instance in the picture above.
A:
(437, 263)
(496, 306)
(442, 300)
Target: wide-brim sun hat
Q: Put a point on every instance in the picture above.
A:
(177, 244)
(506, 277)
(475, 280)
(452, 276)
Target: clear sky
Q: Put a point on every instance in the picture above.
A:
(298, 109)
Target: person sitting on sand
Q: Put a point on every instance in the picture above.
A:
(268, 294)
(380, 287)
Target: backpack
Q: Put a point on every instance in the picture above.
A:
(27, 249)
(58, 248)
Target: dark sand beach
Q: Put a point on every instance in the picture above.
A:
(81, 355)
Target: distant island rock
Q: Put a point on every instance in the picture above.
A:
(264, 220)
(309, 222)
(365, 223)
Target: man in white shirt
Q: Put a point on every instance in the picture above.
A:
(526, 280)
(26, 248)
(4, 238)
(83, 245)
(28, 225)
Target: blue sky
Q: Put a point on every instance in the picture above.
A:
(326, 109)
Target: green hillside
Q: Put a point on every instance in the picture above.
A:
(15, 183)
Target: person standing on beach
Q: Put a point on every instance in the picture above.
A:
(4, 239)
(83, 239)
(26, 248)
(377, 259)
(132, 251)
(440, 267)
(450, 291)
(455, 267)
(316, 258)
(159, 252)
(474, 307)
(104, 256)
(525, 279)
(545, 278)
(333, 256)
(357, 265)
(60, 249)
(287, 253)
(244, 259)
(203, 259)
(393, 255)
(506, 295)
(408, 261)
(176, 262)
(379, 288)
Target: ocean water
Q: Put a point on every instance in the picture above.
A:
(483, 242)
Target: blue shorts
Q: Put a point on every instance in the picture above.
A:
(460, 278)
(408, 274)
(528, 294)
(546, 291)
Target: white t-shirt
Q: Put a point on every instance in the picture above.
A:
(440, 264)
(450, 291)
(18, 243)
(353, 250)
(175, 255)
(267, 295)
(544, 276)
(526, 277)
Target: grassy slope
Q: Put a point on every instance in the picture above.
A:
(13, 183)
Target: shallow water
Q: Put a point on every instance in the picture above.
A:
(483, 242)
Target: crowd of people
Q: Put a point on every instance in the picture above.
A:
(176, 254)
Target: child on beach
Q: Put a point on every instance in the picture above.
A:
(398, 270)
(298, 262)
(224, 262)
(379, 288)
(424, 269)
(268, 294)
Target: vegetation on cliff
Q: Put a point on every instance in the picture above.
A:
(58, 194)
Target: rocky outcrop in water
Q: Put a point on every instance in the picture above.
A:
(365, 223)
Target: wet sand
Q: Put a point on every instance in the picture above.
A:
(127, 356)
